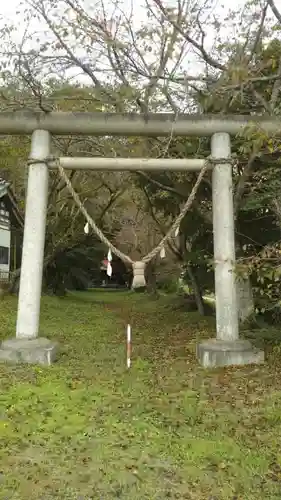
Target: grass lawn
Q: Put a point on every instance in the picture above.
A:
(86, 428)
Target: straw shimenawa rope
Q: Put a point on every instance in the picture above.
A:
(138, 266)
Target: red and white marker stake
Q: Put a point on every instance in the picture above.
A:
(129, 346)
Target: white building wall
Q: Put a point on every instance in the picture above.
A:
(5, 241)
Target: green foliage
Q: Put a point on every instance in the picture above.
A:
(73, 268)
(264, 268)
(168, 284)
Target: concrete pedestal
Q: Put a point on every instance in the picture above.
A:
(40, 351)
(214, 353)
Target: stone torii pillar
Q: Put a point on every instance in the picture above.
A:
(27, 347)
(226, 348)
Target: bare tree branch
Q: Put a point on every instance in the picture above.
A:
(275, 90)
(200, 47)
(275, 10)
(161, 186)
(242, 181)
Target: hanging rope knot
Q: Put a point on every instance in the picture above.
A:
(138, 275)
(45, 161)
(221, 161)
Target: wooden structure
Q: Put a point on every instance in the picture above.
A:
(11, 232)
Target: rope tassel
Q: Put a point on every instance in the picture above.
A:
(138, 275)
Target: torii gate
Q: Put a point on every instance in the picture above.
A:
(226, 348)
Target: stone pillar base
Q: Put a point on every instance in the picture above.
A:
(214, 353)
(40, 351)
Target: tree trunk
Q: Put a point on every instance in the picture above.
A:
(196, 290)
(245, 299)
(150, 277)
(14, 284)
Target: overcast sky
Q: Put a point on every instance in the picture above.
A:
(9, 8)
